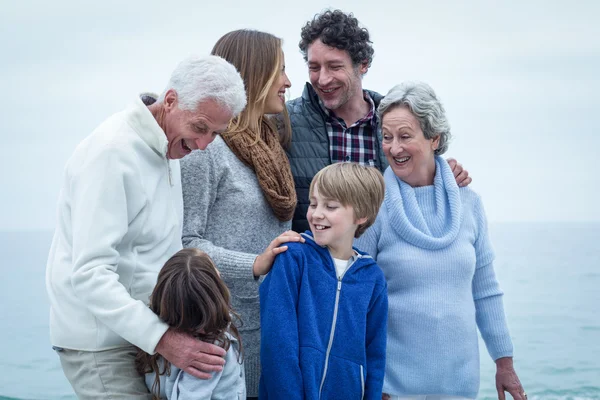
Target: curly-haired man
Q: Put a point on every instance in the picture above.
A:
(335, 120)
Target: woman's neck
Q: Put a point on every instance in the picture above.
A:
(425, 177)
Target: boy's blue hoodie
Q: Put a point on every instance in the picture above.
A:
(322, 337)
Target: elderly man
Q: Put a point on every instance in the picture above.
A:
(119, 220)
(335, 120)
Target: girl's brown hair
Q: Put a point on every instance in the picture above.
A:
(191, 298)
(258, 57)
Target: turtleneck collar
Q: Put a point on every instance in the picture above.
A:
(428, 217)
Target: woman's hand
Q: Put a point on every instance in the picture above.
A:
(507, 380)
(263, 263)
(385, 396)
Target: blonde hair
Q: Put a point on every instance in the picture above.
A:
(353, 185)
(258, 56)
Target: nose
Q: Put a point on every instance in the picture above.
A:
(318, 213)
(324, 77)
(396, 147)
(201, 143)
(287, 82)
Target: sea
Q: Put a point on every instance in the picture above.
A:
(550, 273)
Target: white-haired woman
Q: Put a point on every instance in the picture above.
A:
(431, 240)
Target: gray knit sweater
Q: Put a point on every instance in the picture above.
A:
(227, 216)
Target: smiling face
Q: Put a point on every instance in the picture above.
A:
(333, 76)
(275, 100)
(186, 130)
(410, 155)
(332, 224)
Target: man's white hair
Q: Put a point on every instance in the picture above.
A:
(199, 78)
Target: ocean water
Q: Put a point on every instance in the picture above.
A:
(550, 273)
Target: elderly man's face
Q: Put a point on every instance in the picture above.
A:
(332, 75)
(187, 130)
(410, 155)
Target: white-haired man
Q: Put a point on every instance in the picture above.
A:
(119, 220)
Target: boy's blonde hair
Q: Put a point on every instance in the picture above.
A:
(353, 185)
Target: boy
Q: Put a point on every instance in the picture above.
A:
(323, 306)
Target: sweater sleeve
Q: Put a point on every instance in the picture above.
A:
(376, 343)
(487, 294)
(201, 173)
(281, 377)
(106, 196)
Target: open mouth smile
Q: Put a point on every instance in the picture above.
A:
(328, 91)
(321, 227)
(401, 160)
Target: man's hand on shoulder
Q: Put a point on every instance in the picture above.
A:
(460, 174)
(191, 355)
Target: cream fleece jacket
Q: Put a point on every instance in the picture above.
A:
(119, 219)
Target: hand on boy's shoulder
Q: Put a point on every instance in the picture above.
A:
(264, 262)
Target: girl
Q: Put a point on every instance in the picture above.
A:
(239, 193)
(191, 298)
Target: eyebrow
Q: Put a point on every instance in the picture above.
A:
(398, 129)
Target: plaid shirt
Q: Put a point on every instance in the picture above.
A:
(355, 143)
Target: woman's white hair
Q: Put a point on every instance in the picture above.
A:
(422, 101)
(199, 78)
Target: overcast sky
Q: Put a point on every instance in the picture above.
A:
(520, 81)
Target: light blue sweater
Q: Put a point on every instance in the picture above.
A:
(432, 244)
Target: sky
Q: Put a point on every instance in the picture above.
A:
(520, 82)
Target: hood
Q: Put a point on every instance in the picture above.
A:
(361, 259)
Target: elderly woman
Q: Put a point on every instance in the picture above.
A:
(431, 240)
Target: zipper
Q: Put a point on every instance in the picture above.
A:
(170, 173)
(333, 324)
(362, 383)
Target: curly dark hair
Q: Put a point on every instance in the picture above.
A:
(340, 30)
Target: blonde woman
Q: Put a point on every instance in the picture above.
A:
(239, 194)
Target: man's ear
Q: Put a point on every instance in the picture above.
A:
(171, 100)
(364, 67)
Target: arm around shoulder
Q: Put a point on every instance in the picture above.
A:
(105, 193)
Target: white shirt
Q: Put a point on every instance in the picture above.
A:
(340, 266)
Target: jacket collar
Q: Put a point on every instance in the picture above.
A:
(311, 100)
(324, 252)
(145, 125)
